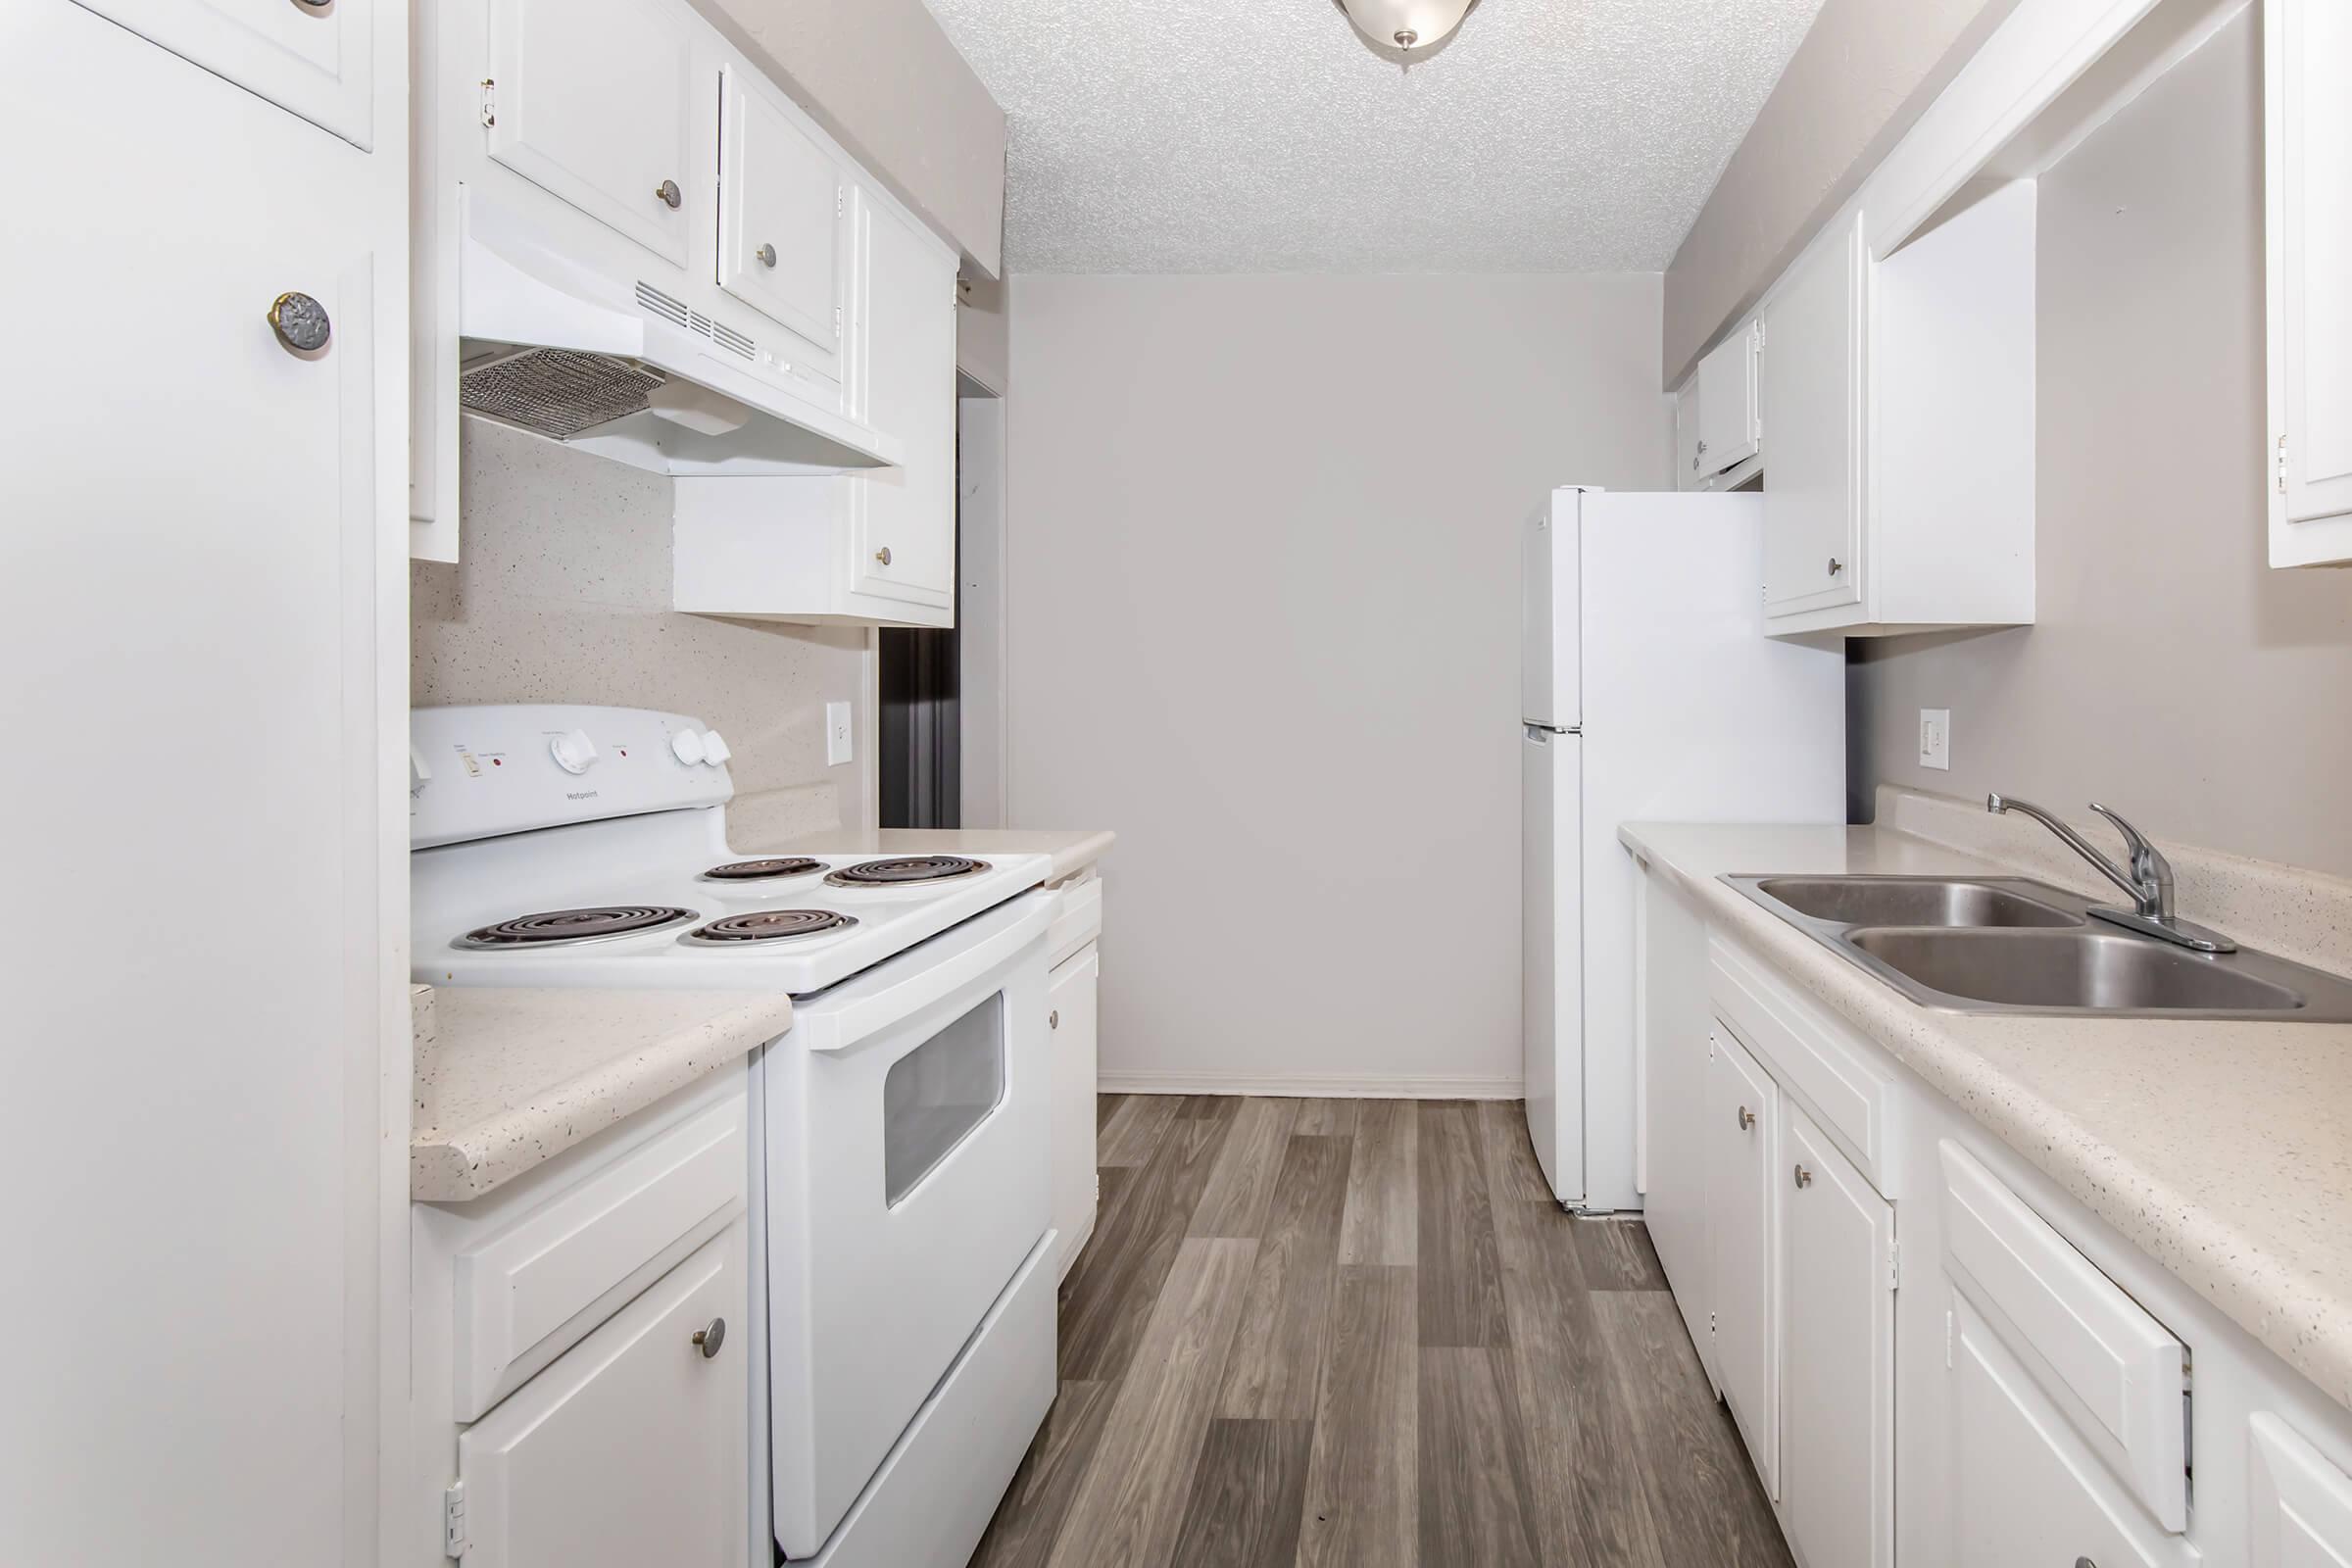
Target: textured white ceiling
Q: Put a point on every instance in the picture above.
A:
(1264, 135)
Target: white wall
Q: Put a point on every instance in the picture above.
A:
(2171, 674)
(1263, 620)
(563, 595)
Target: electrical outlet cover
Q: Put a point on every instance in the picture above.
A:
(837, 734)
(1936, 738)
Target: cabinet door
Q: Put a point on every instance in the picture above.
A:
(1809, 380)
(313, 57)
(2300, 1512)
(2023, 1489)
(632, 1447)
(905, 532)
(1687, 475)
(784, 228)
(2308, 157)
(593, 104)
(1741, 1134)
(1070, 995)
(1673, 1036)
(1727, 403)
(1837, 1357)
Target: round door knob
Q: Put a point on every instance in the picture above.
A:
(1054, 1019)
(766, 255)
(1804, 1177)
(711, 1337)
(883, 555)
(300, 322)
(1836, 566)
(1747, 1119)
(668, 194)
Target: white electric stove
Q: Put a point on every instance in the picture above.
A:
(902, 1268)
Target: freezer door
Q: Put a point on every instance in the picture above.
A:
(1552, 973)
(1548, 677)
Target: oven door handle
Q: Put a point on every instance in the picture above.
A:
(849, 1023)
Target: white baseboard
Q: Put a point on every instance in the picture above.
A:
(1312, 1085)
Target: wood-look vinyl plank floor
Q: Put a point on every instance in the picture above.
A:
(1362, 1333)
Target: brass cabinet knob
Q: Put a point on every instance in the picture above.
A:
(1747, 1119)
(883, 555)
(668, 194)
(1836, 566)
(301, 323)
(1804, 1177)
(712, 1337)
(1054, 1019)
(766, 255)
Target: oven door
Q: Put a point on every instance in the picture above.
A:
(905, 1181)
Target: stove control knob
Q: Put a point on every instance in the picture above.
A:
(573, 751)
(687, 746)
(715, 750)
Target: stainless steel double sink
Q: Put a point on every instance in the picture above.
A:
(1996, 945)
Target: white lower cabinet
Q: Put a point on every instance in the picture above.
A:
(2023, 1488)
(1741, 1121)
(632, 1447)
(1070, 997)
(1836, 1458)
(2299, 1514)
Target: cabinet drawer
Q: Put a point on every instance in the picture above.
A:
(1816, 1056)
(1077, 920)
(2299, 1512)
(534, 1288)
(634, 1449)
(2125, 1374)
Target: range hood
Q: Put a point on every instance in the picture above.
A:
(623, 369)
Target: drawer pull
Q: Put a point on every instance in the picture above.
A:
(712, 1337)
(1804, 1177)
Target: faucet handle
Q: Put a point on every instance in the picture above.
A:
(2149, 868)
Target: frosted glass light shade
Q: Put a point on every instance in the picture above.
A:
(1405, 24)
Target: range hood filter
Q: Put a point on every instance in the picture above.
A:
(558, 393)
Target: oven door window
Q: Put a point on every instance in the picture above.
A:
(940, 1090)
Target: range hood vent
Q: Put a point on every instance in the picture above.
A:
(550, 346)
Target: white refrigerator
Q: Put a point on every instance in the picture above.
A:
(1649, 691)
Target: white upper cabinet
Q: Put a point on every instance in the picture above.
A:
(1811, 393)
(1728, 428)
(313, 57)
(592, 100)
(2308, 152)
(907, 514)
(1687, 474)
(784, 227)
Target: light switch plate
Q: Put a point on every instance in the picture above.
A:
(837, 734)
(1936, 738)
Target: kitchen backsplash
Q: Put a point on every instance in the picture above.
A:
(561, 595)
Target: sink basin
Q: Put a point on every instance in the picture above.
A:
(2099, 970)
(1913, 900)
(2003, 943)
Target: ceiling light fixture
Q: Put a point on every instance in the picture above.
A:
(1405, 24)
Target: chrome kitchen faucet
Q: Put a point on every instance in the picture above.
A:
(2149, 881)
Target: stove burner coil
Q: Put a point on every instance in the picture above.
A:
(769, 925)
(560, 927)
(757, 870)
(905, 870)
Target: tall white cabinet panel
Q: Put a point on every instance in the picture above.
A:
(1836, 1355)
(1071, 997)
(633, 1446)
(784, 227)
(2309, 207)
(2022, 1488)
(1742, 1125)
(1810, 397)
(313, 57)
(905, 518)
(202, 557)
(1687, 472)
(1728, 428)
(2299, 1514)
(593, 102)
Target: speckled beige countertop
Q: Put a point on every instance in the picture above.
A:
(1073, 849)
(506, 1080)
(2218, 1148)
